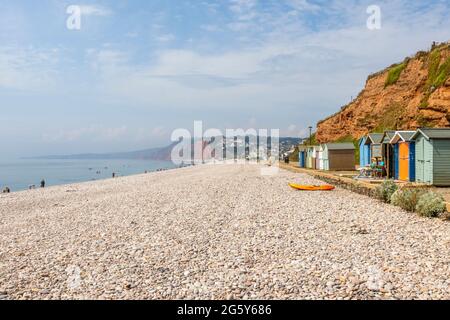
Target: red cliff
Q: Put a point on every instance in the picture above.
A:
(412, 94)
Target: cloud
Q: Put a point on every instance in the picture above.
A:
(132, 34)
(311, 73)
(173, 63)
(159, 131)
(98, 133)
(242, 6)
(276, 58)
(294, 131)
(303, 5)
(105, 61)
(211, 28)
(117, 137)
(165, 37)
(244, 11)
(29, 69)
(239, 26)
(95, 10)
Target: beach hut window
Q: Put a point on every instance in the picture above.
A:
(377, 151)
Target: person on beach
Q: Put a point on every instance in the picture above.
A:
(6, 190)
(43, 183)
(114, 175)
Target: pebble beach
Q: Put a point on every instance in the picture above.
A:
(216, 232)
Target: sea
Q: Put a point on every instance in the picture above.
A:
(19, 175)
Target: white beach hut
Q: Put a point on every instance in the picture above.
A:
(319, 160)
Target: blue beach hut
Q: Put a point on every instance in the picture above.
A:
(302, 156)
(374, 142)
(404, 155)
(364, 152)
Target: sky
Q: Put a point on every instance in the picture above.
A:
(136, 70)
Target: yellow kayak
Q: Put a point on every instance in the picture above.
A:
(311, 188)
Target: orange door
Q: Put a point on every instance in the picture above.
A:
(403, 163)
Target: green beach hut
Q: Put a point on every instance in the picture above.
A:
(433, 156)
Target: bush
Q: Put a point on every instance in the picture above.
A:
(443, 74)
(407, 199)
(431, 205)
(386, 190)
(394, 74)
(294, 156)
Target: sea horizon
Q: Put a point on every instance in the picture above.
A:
(21, 174)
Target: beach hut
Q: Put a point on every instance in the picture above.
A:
(374, 142)
(338, 156)
(404, 155)
(302, 156)
(388, 153)
(311, 157)
(433, 156)
(364, 152)
(319, 160)
(309, 151)
(316, 157)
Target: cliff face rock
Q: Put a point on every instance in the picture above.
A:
(413, 94)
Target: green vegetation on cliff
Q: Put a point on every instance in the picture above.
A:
(394, 74)
(437, 74)
(443, 74)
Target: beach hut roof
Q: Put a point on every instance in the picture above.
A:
(387, 136)
(362, 140)
(404, 136)
(340, 146)
(374, 138)
(428, 133)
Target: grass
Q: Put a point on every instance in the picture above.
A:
(424, 102)
(442, 75)
(294, 157)
(394, 74)
(312, 141)
(437, 75)
(424, 122)
(433, 66)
